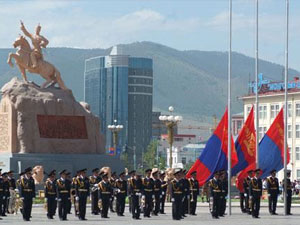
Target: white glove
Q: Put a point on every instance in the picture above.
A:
(251, 197)
(163, 193)
(172, 200)
(153, 196)
(59, 199)
(245, 194)
(119, 190)
(269, 195)
(22, 198)
(95, 185)
(46, 199)
(211, 198)
(77, 198)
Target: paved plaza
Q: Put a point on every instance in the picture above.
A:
(203, 217)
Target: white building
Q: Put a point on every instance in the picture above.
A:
(271, 100)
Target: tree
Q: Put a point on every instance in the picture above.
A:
(150, 155)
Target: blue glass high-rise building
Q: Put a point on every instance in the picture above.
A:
(120, 87)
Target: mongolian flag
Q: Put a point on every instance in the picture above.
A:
(245, 145)
(214, 156)
(271, 147)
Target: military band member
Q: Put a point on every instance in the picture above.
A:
(82, 191)
(135, 187)
(215, 194)
(157, 192)
(27, 193)
(6, 194)
(51, 194)
(186, 194)
(69, 184)
(63, 195)
(246, 186)
(132, 176)
(273, 192)
(105, 194)
(289, 192)
(148, 194)
(255, 193)
(121, 185)
(112, 181)
(224, 192)
(194, 192)
(2, 193)
(73, 192)
(94, 181)
(11, 184)
(176, 196)
(164, 187)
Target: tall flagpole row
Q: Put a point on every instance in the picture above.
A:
(286, 105)
(229, 107)
(256, 94)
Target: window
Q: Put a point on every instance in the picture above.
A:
(275, 110)
(297, 130)
(289, 131)
(261, 132)
(298, 174)
(248, 110)
(298, 109)
(183, 160)
(263, 112)
(290, 110)
(297, 153)
(239, 125)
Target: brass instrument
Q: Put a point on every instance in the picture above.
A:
(100, 204)
(12, 201)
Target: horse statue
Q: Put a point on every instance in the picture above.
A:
(23, 60)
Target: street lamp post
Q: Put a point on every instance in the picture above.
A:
(170, 122)
(115, 129)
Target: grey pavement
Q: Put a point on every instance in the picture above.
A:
(203, 217)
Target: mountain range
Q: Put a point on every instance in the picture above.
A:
(194, 82)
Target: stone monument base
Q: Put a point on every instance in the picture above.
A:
(70, 162)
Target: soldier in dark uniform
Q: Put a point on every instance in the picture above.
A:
(273, 192)
(82, 191)
(11, 183)
(51, 194)
(246, 194)
(135, 187)
(73, 192)
(69, 184)
(148, 194)
(105, 194)
(224, 192)
(186, 194)
(194, 192)
(63, 193)
(6, 194)
(27, 193)
(289, 192)
(255, 193)
(164, 187)
(157, 192)
(215, 194)
(121, 185)
(94, 181)
(2, 193)
(112, 181)
(132, 176)
(176, 196)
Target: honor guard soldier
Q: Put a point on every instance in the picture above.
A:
(255, 193)
(63, 194)
(224, 192)
(246, 194)
(194, 190)
(176, 195)
(186, 194)
(135, 187)
(82, 191)
(69, 184)
(27, 193)
(164, 187)
(289, 192)
(6, 194)
(121, 185)
(2, 193)
(105, 194)
(11, 184)
(215, 194)
(51, 194)
(273, 192)
(157, 192)
(112, 181)
(73, 192)
(94, 181)
(148, 194)
(132, 176)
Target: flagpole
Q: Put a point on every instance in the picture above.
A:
(256, 94)
(286, 105)
(229, 107)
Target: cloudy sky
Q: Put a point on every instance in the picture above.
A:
(181, 24)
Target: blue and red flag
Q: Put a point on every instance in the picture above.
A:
(214, 156)
(271, 147)
(245, 145)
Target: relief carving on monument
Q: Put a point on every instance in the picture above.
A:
(4, 137)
